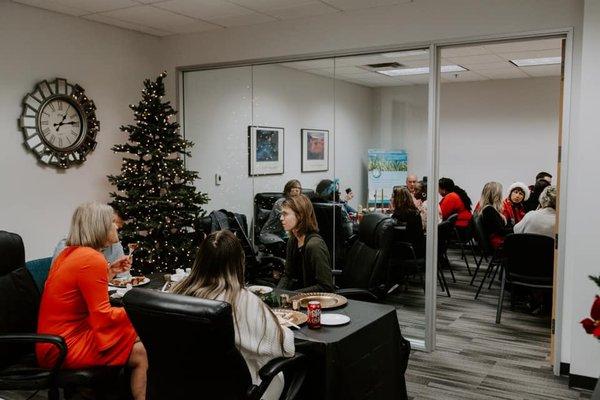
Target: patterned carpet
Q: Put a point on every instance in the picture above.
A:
(475, 358)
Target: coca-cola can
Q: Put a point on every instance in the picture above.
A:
(314, 314)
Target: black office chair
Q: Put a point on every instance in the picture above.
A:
(191, 349)
(487, 251)
(19, 303)
(365, 273)
(263, 204)
(336, 233)
(12, 251)
(528, 262)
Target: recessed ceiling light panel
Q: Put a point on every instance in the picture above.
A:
(529, 62)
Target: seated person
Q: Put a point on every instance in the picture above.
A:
(327, 191)
(346, 202)
(218, 274)
(534, 198)
(111, 253)
(307, 259)
(454, 201)
(493, 220)
(543, 220)
(75, 302)
(420, 200)
(406, 213)
(272, 232)
(513, 207)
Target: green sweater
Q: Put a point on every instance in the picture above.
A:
(307, 268)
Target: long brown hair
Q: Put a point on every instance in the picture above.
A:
(402, 200)
(305, 214)
(219, 269)
(291, 184)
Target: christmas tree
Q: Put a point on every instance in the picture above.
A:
(155, 193)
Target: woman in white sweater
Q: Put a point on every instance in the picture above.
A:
(543, 220)
(218, 274)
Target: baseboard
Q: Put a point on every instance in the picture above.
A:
(582, 382)
(564, 369)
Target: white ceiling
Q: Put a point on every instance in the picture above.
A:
(484, 62)
(170, 17)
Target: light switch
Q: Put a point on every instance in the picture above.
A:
(218, 179)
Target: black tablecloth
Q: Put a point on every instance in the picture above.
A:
(364, 359)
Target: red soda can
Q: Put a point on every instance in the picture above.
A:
(314, 314)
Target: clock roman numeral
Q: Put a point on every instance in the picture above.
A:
(52, 138)
(51, 106)
(44, 122)
(46, 131)
(60, 105)
(60, 142)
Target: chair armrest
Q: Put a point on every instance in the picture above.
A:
(274, 367)
(357, 294)
(55, 340)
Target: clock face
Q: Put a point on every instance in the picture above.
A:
(60, 123)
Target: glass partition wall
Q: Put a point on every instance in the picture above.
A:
(354, 131)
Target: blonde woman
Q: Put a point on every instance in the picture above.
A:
(75, 302)
(492, 218)
(218, 274)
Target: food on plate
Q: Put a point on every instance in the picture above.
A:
(123, 282)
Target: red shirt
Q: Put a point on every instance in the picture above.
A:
(452, 204)
(75, 306)
(514, 213)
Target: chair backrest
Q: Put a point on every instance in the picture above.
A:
(39, 271)
(12, 251)
(445, 229)
(190, 344)
(19, 305)
(366, 261)
(331, 229)
(263, 204)
(529, 258)
(452, 219)
(480, 235)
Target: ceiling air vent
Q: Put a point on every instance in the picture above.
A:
(384, 66)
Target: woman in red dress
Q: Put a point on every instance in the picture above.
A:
(75, 302)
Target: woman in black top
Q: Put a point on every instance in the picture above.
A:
(307, 257)
(406, 213)
(494, 223)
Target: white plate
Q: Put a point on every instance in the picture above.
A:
(334, 319)
(258, 288)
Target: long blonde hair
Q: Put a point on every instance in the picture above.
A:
(219, 270)
(491, 195)
(91, 225)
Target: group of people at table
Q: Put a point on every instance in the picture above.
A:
(75, 302)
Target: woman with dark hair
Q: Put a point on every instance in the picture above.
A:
(272, 233)
(454, 201)
(218, 274)
(532, 202)
(406, 213)
(307, 257)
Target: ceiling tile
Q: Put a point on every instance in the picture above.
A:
(194, 27)
(347, 5)
(268, 5)
(127, 25)
(203, 9)
(362, 60)
(301, 11)
(465, 76)
(240, 20)
(501, 65)
(542, 70)
(471, 60)
(524, 45)
(149, 1)
(464, 51)
(421, 79)
(320, 71)
(54, 6)
(94, 6)
(530, 54)
(503, 74)
(151, 17)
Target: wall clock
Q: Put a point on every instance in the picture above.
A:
(59, 123)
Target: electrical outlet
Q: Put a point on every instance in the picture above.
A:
(218, 179)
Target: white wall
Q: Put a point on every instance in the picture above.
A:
(219, 109)
(109, 63)
(421, 21)
(502, 130)
(583, 220)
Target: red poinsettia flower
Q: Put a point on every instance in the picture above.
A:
(592, 325)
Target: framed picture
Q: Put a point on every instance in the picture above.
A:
(265, 150)
(315, 150)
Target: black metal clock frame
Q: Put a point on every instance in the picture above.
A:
(35, 141)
